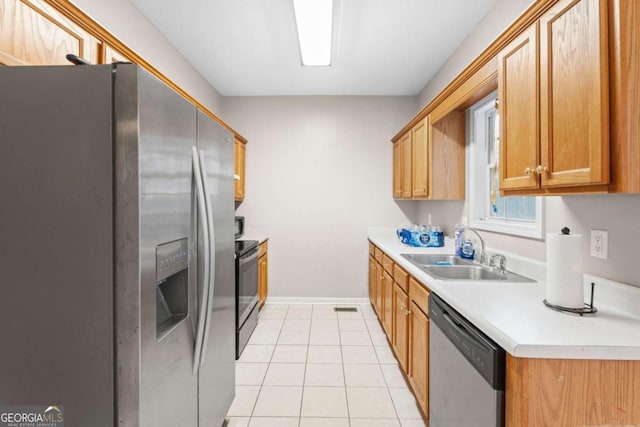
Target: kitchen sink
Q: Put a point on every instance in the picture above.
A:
(428, 260)
(451, 267)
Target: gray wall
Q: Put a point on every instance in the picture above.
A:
(619, 214)
(125, 21)
(319, 172)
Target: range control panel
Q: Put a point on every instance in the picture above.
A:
(171, 258)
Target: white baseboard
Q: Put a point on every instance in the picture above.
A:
(316, 300)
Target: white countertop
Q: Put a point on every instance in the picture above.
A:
(513, 314)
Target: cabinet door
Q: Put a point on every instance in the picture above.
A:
(34, 33)
(387, 304)
(397, 170)
(379, 295)
(519, 112)
(420, 160)
(446, 140)
(574, 109)
(111, 54)
(263, 283)
(419, 356)
(400, 325)
(240, 158)
(372, 280)
(405, 143)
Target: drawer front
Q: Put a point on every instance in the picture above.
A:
(378, 255)
(401, 277)
(419, 294)
(387, 263)
(262, 249)
(371, 249)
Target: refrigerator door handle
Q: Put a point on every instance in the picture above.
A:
(203, 303)
(212, 268)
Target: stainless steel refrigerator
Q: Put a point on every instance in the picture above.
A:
(116, 249)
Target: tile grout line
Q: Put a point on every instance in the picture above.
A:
(268, 366)
(383, 377)
(344, 374)
(304, 375)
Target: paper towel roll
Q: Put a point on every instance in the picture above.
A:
(564, 270)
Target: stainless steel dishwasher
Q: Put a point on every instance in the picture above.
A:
(466, 372)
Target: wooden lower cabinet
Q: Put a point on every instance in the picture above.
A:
(387, 300)
(263, 274)
(372, 280)
(400, 303)
(377, 305)
(400, 334)
(418, 355)
(554, 392)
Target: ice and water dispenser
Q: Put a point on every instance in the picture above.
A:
(172, 286)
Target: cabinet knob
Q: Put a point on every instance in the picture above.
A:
(528, 171)
(408, 312)
(541, 169)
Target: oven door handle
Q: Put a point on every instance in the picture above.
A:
(204, 297)
(212, 259)
(245, 259)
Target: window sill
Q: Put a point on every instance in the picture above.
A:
(532, 232)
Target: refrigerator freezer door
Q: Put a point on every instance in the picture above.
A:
(217, 373)
(56, 309)
(155, 130)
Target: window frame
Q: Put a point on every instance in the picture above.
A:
(477, 183)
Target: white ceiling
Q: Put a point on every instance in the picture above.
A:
(381, 47)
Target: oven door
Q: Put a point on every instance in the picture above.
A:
(246, 285)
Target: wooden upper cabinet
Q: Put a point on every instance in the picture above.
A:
(447, 139)
(519, 112)
(624, 75)
(111, 54)
(429, 159)
(33, 33)
(574, 94)
(406, 144)
(554, 102)
(240, 150)
(420, 160)
(397, 169)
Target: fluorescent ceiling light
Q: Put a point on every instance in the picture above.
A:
(314, 19)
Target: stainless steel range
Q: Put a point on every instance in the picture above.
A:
(246, 292)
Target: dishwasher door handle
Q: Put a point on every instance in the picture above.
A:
(460, 328)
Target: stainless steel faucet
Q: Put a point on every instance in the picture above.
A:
(483, 256)
(498, 263)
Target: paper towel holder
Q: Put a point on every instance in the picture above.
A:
(587, 309)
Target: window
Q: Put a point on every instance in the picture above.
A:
(521, 216)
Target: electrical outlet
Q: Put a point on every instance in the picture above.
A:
(600, 244)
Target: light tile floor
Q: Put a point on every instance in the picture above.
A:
(308, 366)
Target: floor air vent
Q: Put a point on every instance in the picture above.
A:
(346, 309)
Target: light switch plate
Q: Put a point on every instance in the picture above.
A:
(600, 244)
